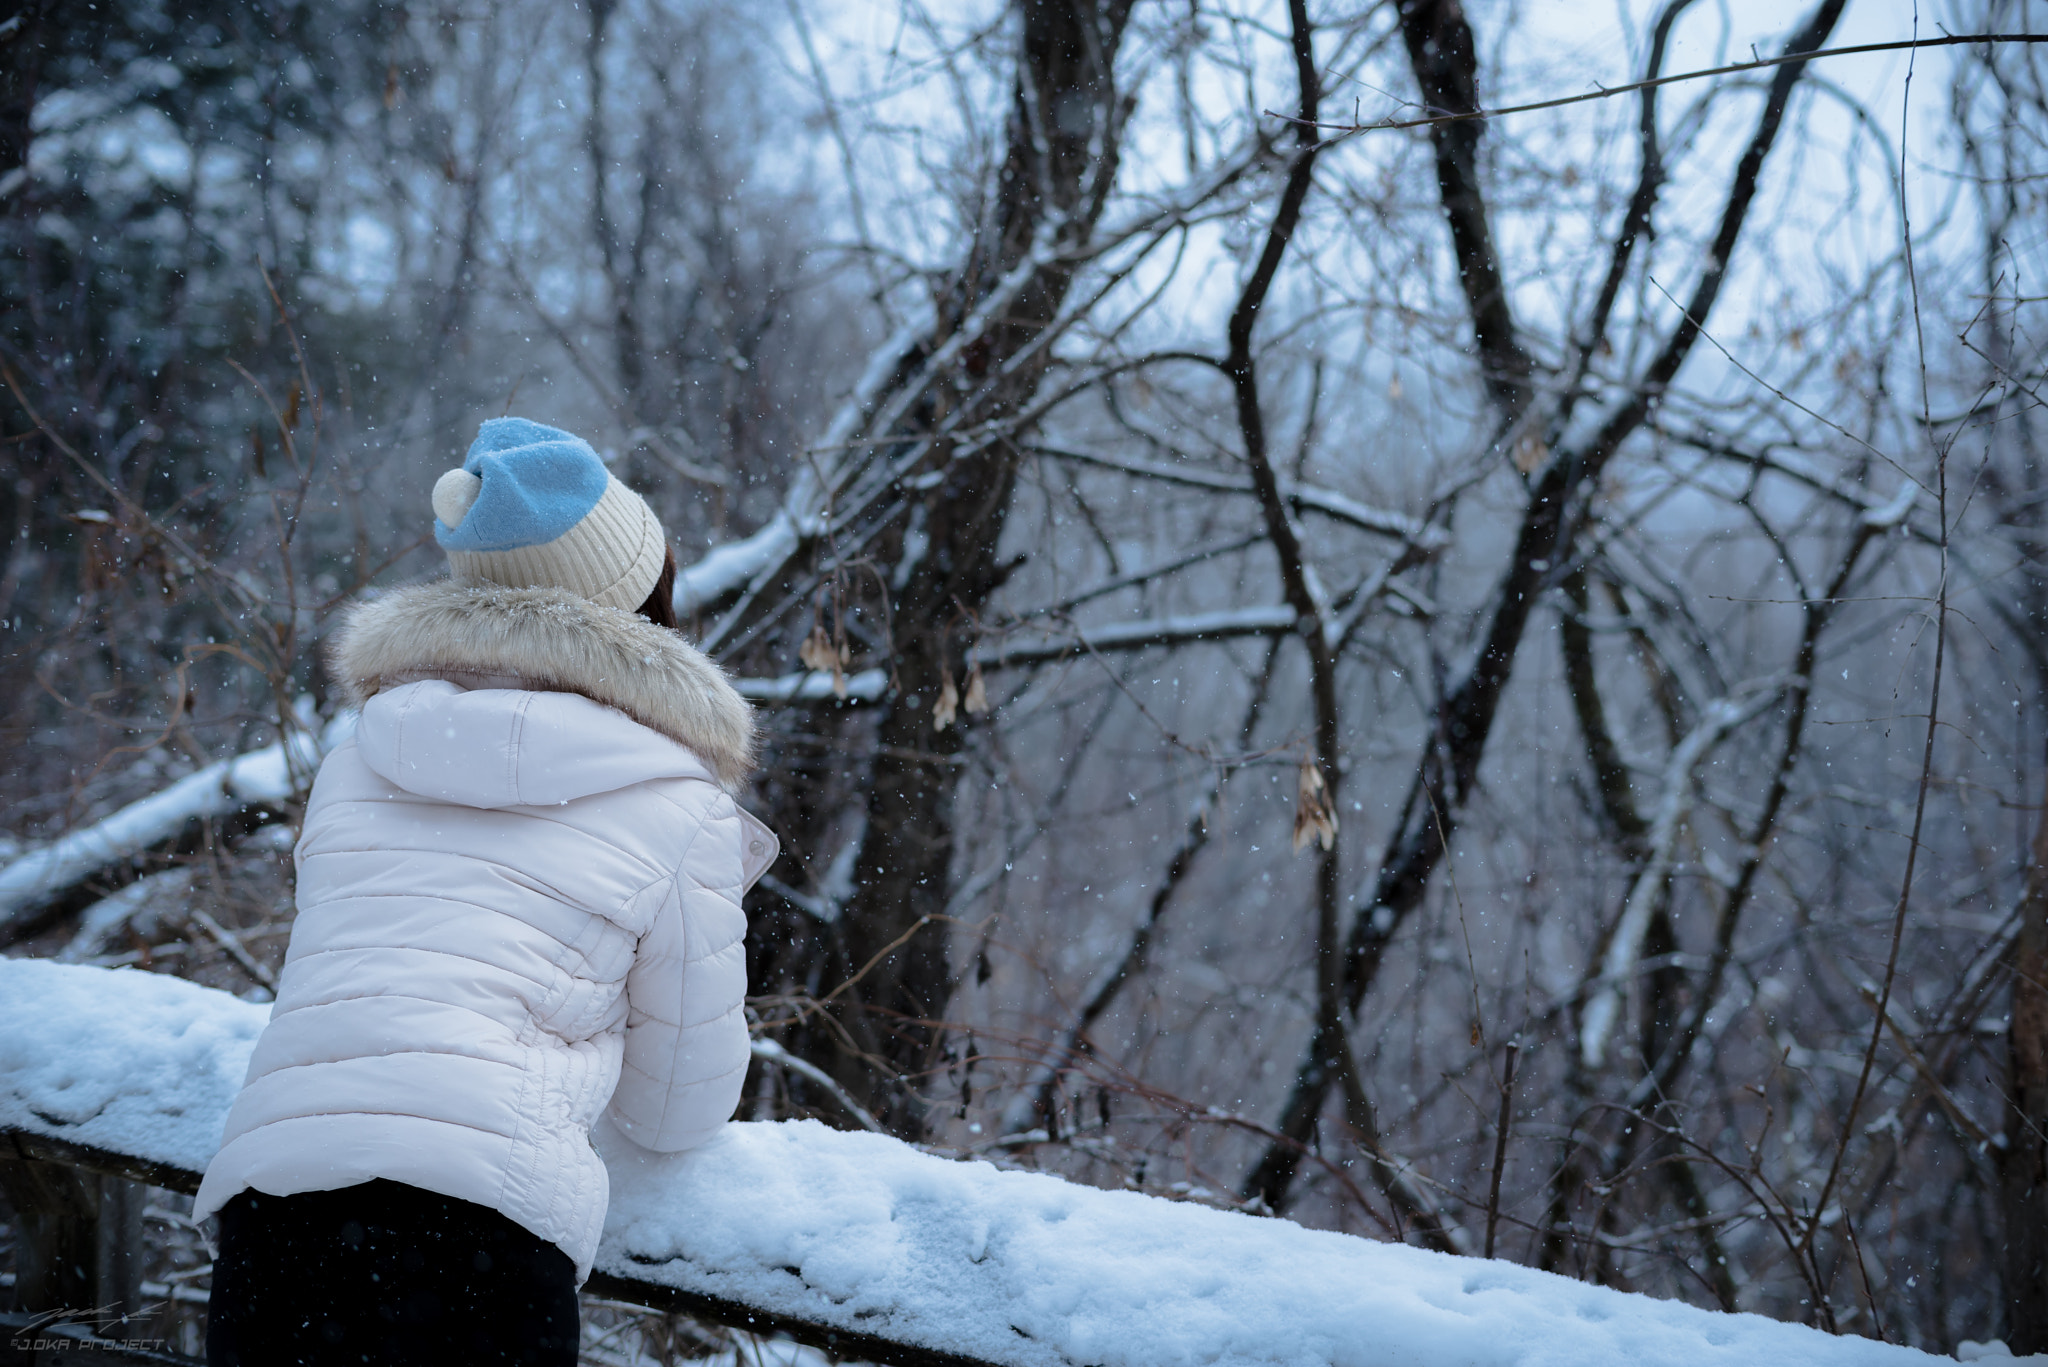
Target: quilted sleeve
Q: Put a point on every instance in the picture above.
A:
(686, 1028)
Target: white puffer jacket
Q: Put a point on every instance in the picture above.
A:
(519, 901)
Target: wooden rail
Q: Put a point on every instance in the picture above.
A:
(852, 1242)
(42, 1177)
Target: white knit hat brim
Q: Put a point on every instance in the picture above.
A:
(611, 557)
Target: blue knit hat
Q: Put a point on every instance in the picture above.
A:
(534, 507)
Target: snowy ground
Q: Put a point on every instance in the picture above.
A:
(866, 1233)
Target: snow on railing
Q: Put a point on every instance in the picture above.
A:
(271, 774)
(882, 1251)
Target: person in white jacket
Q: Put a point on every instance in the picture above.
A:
(518, 911)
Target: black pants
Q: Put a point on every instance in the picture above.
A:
(385, 1274)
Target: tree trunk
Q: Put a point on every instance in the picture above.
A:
(1062, 140)
(2024, 1161)
(1446, 66)
(21, 64)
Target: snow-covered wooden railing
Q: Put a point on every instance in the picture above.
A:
(874, 1249)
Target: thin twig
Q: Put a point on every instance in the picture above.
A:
(1891, 966)
(768, 1051)
(1500, 1142)
(1609, 91)
(236, 950)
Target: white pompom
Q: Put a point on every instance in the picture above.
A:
(454, 494)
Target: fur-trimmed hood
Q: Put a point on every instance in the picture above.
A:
(551, 641)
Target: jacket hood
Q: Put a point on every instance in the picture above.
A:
(546, 641)
(510, 748)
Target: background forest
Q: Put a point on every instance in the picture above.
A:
(1478, 681)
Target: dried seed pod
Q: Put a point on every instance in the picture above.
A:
(1313, 817)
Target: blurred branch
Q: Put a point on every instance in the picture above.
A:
(1456, 116)
(1465, 716)
(1652, 884)
(1756, 841)
(1141, 635)
(1321, 774)
(1302, 497)
(1635, 224)
(1445, 65)
(1075, 1039)
(768, 1051)
(268, 775)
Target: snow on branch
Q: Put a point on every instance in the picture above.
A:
(768, 1051)
(864, 1243)
(137, 905)
(1603, 1009)
(751, 564)
(898, 373)
(1141, 635)
(1307, 497)
(271, 774)
(815, 685)
(729, 568)
(275, 772)
(1892, 512)
(1877, 511)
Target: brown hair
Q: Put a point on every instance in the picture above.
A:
(660, 607)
